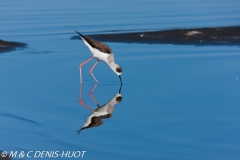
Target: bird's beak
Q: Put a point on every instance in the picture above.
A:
(120, 79)
(119, 92)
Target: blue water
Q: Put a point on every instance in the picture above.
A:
(179, 102)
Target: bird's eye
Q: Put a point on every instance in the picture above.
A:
(119, 70)
(119, 99)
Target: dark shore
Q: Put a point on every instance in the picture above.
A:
(199, 36)
(218, 36)
(6, 46)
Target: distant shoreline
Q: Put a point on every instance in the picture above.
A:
(218, 36)
(7, 46)
(198, 36)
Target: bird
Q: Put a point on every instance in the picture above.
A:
(102, 112)
(102, 52)
(105, 111)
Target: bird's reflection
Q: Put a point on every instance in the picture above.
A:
(104, 111)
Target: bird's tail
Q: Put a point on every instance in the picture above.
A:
(79, 33)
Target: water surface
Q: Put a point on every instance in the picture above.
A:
(178, 101)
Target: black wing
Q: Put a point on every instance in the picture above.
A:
(96, 44)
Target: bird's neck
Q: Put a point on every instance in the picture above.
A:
(112, 64)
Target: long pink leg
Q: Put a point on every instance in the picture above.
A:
(92, 94)
(80, 67)
(92, 70)
(81, 101)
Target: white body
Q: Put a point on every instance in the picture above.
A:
(96, 53)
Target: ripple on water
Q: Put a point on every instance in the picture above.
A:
(21, 119)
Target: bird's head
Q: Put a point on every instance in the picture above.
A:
(116, 69)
